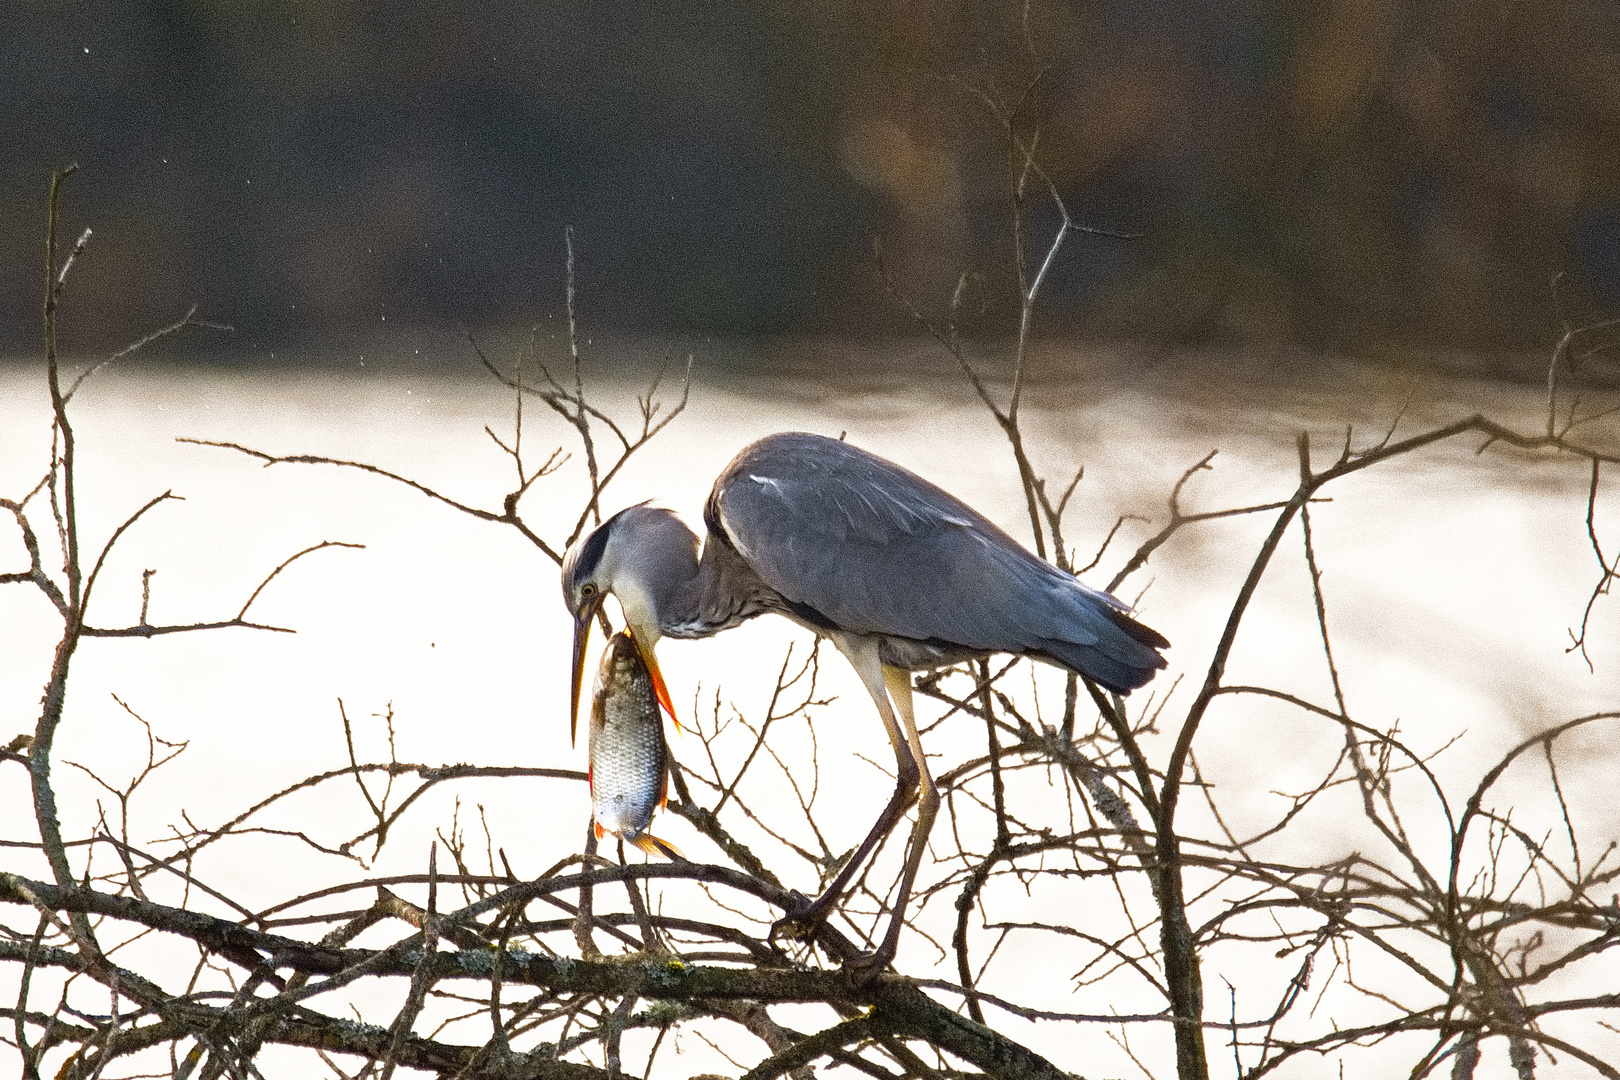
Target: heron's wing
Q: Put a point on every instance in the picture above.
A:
(877, 549)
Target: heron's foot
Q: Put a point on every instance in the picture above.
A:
(803, 920)
(863, 969)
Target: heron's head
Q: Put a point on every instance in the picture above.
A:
(640, 555)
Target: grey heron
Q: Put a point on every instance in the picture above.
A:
(900, 575)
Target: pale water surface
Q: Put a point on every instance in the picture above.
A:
(1452, 581)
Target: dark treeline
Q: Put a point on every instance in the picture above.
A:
(1372, 176)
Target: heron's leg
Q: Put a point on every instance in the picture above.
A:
(899, 686)
(862, 654)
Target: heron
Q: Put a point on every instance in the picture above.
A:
(898, 574)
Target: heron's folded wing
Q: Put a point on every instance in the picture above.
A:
(877, 549)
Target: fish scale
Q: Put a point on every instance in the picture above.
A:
(629, 757)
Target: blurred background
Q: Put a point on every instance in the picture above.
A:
(1376, 178)
(1341, 208)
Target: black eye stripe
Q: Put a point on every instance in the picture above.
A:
(590, 556)
(591, 552)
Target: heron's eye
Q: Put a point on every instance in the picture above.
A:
(587, 590)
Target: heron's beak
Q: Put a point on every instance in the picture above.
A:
(660, 691)
(582, 638)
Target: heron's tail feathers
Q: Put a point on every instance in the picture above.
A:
(1123, 656)
(1144, 634)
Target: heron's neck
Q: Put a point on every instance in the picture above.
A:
(719, 592)
(655, 575)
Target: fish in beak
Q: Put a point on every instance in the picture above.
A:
(629, 758)
(582, 637)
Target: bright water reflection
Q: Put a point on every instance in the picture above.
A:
(1451, 580)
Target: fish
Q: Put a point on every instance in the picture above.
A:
(629, 770)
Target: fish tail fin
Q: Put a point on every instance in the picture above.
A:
(653, 846)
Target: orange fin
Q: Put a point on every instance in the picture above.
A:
(597, 825)
(653, 846)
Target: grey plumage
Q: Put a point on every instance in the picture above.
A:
(837, 538)
(897, 573)
(875, 549)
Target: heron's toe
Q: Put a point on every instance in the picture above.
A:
(863, 970)
(800, 921)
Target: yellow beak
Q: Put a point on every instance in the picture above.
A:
(582, 638)
(660, 691)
